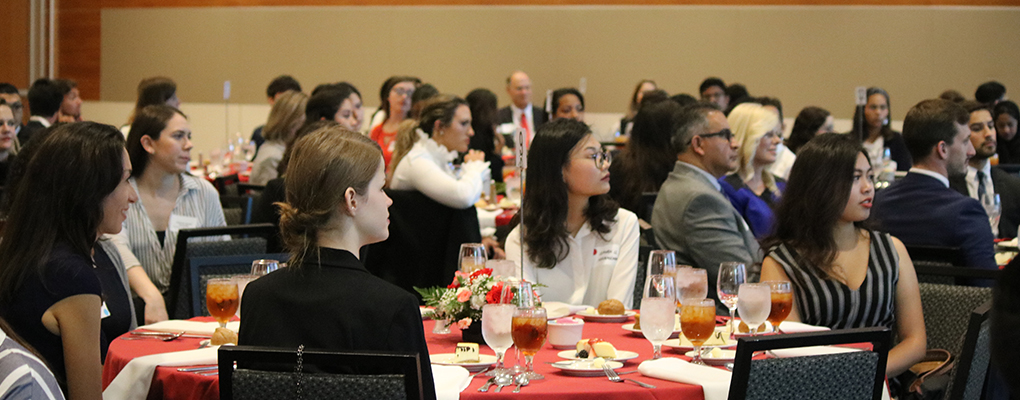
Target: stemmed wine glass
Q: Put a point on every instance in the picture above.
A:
(697, 321)
(662, 262)
(782, 302)
(658, 310)
(731, 276)
(530, 326)
(691, 283)
(472, 257)
(754, 303)
(222, 299)
(263, 267)
(496, 323)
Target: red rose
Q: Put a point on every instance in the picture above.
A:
(493, 296)
(455, 284)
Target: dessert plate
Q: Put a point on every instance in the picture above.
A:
(621, 355)
(484, 361)
(594, 316)
(584, 367)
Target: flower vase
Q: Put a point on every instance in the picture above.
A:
(473, 333)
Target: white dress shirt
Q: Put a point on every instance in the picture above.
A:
(427, 168)
(972, 189)
(529, 116)
(595, 269)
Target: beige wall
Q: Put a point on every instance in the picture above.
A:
(805, 55)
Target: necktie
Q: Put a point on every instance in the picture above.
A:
(527, 130)
(981, 186)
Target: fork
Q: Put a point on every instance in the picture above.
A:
(616, 378)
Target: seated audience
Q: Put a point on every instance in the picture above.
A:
(169, 199)
(645, 162)
(28, 376)
(8, 128)
(45, 99)
(521, 112)
(1006, 115)
(153, 91)
(418, 100)
(921, 209)
(483, 105)
(811, 121)
(70, 108)
(578, 242)
(340, 102)
(287, 115)
(691, 215)
(567, 103)
(713, 90)
(953, 96)
(983, 181)
(627, 122)
(277, 87)
(326, 299)
(990, 93)
(753, 189)
(876, 132)
(395, 103)
(683, 99)
(74, 188)
(843, 275)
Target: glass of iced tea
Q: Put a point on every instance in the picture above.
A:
(782, 302)
(222, 299)
(529, 327)
(697, 321)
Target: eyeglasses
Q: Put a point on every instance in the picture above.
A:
(601, 158)
(402, 91)
(725, 134)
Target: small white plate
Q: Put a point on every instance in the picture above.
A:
(675, 343)
(596, 317)
(637, 332)
(484, 361)
(727, 356)
(584, 368)
(621, 355)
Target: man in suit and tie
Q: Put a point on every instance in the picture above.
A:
(521, 112)
(984, 182)
(44, 100)
(691, 215)
(921, 209)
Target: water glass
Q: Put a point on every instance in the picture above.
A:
(754, 304)
(658, 311)
(472, 257)
(731, 276)
(263, 267)
(497, 321)
(242, 282)
(691, 283)
(662, 262)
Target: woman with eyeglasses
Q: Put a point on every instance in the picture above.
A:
(577, 241)
(752, 189)
(395, 103)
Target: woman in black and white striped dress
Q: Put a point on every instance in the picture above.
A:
(843, 275)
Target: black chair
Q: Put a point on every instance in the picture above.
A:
(1011, 168)
(424, 242)
(226, 184)
(947, 309)
(642, 274)
(946, 265)
(202, 269)
(267, 373)
(237, 210)
(249, 188)
(248, 239)
(850, 375)
(971, 366)
(647, 204)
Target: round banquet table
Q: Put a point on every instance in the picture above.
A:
(168, 383)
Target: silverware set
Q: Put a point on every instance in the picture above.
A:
(210, 370)
(504, 380)
(164, 336)
(613, 376)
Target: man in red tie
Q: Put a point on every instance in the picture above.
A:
(521, 113)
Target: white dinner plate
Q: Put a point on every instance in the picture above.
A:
(584, 367)
(727, 356)
(621, 355)
(675, 343)
(484, 361)
(596, 317)
(637, 332)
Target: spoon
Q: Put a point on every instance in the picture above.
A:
(522, 380)
(502, 381)
(172, 337)
(487, 385)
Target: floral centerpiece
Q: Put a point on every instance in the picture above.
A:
(461, 301)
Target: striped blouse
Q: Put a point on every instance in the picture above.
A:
(23, 376)
(137, 242)
(829, 302)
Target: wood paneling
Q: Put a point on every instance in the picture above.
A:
(14, 17)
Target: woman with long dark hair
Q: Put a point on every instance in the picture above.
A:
(484, 109)
(578, 242)
(810, 122)
(843, 275)
(74, 188)
(876, 133)
(567, 103)
(648, 157)
(1006, 115)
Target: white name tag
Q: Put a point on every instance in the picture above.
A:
(608, 254)
(178, 222)
(104, 311)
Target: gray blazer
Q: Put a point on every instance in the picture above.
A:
(696, 221)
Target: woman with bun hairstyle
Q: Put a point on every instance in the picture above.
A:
(326, 299)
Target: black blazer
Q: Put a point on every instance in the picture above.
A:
(1007, 187)
(265, 211)
(537, 113)
(28, 130)
(335, 304)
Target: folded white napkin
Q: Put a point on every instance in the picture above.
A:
(555, 309)
(132, 383)
(798, 327)
(819, 350)
(715, 382)
(191, 327)
(450, 381)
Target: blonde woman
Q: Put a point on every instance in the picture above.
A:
(287, 116)
(752, 189)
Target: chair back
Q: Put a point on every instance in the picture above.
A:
(275, 373)
(237, 209)
(217, 241)
(642, 274)
(647, 204)
(849, 375)
(947, 309)
(249, 188)
(971, 366)
(202, 269)
(424, 242)
(946, 265)
(226, 184)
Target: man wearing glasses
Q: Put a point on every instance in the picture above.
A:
(691, 215)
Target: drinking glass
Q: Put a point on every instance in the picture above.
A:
(994, 211)
(691, 283)
(529, 327)
(731, 276)
(263, 267)
(662, 262)
(697, 321)
(782, 302)
(242, 282)
(658, 310)
(222, 299)
(496, 324)
(472, 257)
(754, 303)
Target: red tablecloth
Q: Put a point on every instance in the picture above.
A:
(168, 383)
